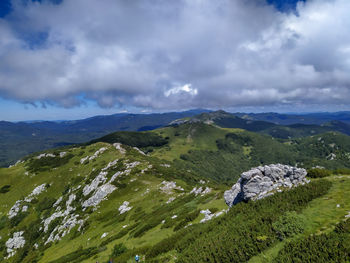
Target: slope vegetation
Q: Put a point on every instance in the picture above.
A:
(160, 194)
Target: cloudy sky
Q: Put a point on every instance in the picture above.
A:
(76, 58)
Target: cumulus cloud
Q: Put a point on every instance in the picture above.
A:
(176, 54)
(187, 88)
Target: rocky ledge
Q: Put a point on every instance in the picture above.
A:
(263, 181)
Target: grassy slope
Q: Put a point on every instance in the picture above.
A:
(106, 219)
(190, 139)
(322, 214)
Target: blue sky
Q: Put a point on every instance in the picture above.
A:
(60, 60)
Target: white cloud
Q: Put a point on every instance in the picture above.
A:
(235, 53)
(187, 88)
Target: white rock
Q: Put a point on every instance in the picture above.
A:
(100, 178)
(70, 200)
(124, 207)
(331, 156)
(15, 209)
(104, 235)
(59, 200)
(264, 181)
(174, 216)
(167, 187)
(119, 147)
(25, 208)
(132, 165)
(62, 154)
(14, 243)
(207, 215)
(170, 200)
(196, 190)
(44, 155)
(110, 164)
(207, 190)
(97, 153)
(99, 195)
(190, 224)
(200, 191)
(137, 149)
(82, 160)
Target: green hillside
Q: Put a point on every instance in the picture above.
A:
(137, 193)
(267, 126)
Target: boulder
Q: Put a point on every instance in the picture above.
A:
(264, 181)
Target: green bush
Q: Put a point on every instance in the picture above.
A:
(3, 221)
(14, 221)
(79, 255)
(246, 230)
(134, 139)
(45, 204)
(118, 249)
(46, 163)
(324, 248)
(318, 173)
(5, 189)
(342, 171)
(288, 225)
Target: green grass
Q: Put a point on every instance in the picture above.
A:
(321, 214)
(106, 218)
(240, 150)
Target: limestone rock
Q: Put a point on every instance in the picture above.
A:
(124, 207)
(263, 181)
(14, 243)
(167, 187)
(99, 195)
(119, 147)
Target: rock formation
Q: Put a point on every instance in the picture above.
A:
(14, 243)
(263, 181)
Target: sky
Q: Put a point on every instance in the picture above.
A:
(70, 59)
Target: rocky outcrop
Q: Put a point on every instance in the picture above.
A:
(168, 187)
(124, 207)
(18, 206)
(200, 190)
(45, 155)
(263, 181)
(14, 243)
(208, 215)
(94, 156)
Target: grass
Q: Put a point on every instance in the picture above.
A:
(321, 214)
(105, 219)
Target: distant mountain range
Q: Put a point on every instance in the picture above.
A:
(18, 139)
(250, 123)
(307, 118)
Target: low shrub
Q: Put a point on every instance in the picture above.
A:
(5, 189)
(118, 249)
(288, 225)
(318, 173)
